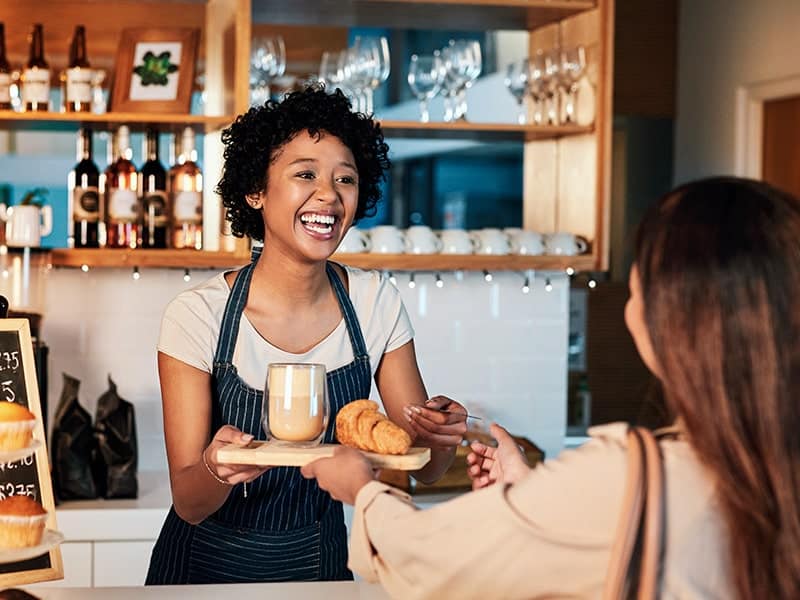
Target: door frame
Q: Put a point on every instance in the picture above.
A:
(749, 138)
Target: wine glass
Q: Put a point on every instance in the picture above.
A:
(552, 69)
(537, 81)
(426, 74)
(517, 81)
(295, 409)
(573, 67)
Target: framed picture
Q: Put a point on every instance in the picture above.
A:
(155, 70)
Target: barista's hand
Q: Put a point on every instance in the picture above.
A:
(227, 473)
(434, 429)
(343, 475)
(504, 464)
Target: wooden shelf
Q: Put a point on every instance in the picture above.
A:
(480, 131)
(192, 259)
(51, 121)
(468, 15)
(123, 258)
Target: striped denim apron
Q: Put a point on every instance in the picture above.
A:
(285, 528)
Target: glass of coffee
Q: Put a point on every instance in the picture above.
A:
(295, 410)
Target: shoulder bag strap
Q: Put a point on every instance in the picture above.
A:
(641, 515)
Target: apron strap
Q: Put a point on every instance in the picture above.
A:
(349, 313)
(237, 299)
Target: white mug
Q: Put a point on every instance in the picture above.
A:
(565, 244)
(456, 241)
(420, 239)
(491, 241)
(529, 243)
(26, 224)
(354, 241)
(387, 239)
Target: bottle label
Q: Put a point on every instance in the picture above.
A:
(5, 88)
(122, 205)
(79, 85)
(85, 204)
(188, 207)
(36, 86)
(155, 209)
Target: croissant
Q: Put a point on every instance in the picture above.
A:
(360, 425)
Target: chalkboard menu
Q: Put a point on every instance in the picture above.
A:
(27, 476)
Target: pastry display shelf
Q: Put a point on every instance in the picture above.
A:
(71, 121)
(194, 259)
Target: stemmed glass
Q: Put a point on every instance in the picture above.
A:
(463, 64)
(295, 409)
(517, 81)
(379, 48)
(425, 76)
(573, 67)
(552, 69)
(537, 80)
(267, 61)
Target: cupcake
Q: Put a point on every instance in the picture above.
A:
(22, 522)
(16, 426)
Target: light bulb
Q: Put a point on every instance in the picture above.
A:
(592, 283)
(526, 287)
(392, 278)
(411, 283)
(570, 271)
(136, 275)
(85, 268)
(548, 287)
(187, 277)
(487, 276)
(439, 282)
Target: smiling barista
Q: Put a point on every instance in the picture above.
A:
(297, 174)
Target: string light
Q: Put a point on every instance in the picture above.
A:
(136, 274)
(85, 268)
(487, 276)
(548, 287)
(439, 282)
(187, 276)
(570, 271)
(411, 283)
(392, 278)
(592, 283)
(526, 287)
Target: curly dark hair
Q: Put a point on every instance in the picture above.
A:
(251, 141)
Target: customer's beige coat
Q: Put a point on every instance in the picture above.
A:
(548, 536)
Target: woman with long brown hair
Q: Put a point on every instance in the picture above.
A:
(713, 314)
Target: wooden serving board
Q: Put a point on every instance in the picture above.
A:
(265, 454)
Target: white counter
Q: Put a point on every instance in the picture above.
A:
(338, 590)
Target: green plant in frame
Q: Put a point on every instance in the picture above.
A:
(154, 69)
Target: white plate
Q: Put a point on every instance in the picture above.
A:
(12, 455)
(50, 539)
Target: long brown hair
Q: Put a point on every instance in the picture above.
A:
(719, 264)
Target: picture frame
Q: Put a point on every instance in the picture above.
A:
(155, 70)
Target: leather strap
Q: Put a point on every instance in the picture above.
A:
(641, 516)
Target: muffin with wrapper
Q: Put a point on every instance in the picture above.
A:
(16, 426)
(22, 522)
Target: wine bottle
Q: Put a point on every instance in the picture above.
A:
(122, 207)
(78, 89)
(5, 73)
(36, 75)
(84, 196)
(186, 191)
(153, 184)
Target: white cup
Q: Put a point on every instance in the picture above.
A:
(529, 243)
(26, 224)
(355, 241)
(420, 239)
(490, 241)
(565, 244)
(456, 241)
(387, 239)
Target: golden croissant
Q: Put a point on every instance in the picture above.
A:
(360, 425)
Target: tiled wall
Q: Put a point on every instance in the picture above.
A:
(499, 351)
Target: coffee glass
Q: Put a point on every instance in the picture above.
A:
(295, 410)
(565, 244)
(490, 241)
(387, 239)
(524, 242)
(457, 241)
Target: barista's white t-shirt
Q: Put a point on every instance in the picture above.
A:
(191, 326)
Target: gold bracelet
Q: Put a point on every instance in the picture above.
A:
(211, 471)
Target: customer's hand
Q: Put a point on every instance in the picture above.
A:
(504, 464)
(228, 473)
(343, 475)
(434, 429)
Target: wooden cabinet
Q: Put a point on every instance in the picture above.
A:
(566, 169)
